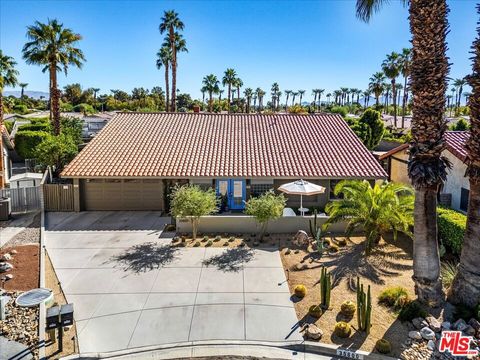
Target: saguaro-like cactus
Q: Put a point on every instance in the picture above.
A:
(319, 241)
(313, 224)
(364, 308)
(325, 288)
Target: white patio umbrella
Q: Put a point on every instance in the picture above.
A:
(301, 187)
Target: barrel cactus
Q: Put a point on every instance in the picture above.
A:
(300, 291)
(315, 311)
(342, 329)
(348, 308)
(383, 346)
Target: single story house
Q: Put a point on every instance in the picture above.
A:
(27, 179)
(454, 192)
(134, 162)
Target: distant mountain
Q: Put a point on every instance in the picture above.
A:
(32, 94)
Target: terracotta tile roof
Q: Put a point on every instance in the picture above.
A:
(455, 143)
(225, 145)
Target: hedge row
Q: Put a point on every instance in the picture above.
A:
(26, 142)
(451, 229)
(40, 126)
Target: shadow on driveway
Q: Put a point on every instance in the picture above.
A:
(231, 259)
(145, 257)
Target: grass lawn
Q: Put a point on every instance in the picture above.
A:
(389, 265)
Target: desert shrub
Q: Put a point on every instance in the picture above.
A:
(411, 311)
(84, 108)
(348, 308)
(448, 271)
(383, 346)
(315, 311)
(451, 229)
(395, 296)
(265, 208)
(300, 291)
(66, 107)
(342, 329)
(26, 142)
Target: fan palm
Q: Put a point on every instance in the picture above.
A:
(315, 94)
(274, 91)
(301, 92)
(238, 85)
(338, 96)
(8, 77)
(170, 23)
(383, 208)
(288, 93)
(53, 47)
(22, 86)
(212, 86)
(366, 97)
(248, 92)
(391, 68)
(229, 79)
(164, 58)
(203, 90)
(295, 94)
(344, 91)
(320, 92)
(466, 285)
(377, 84)
(427, 168)
(260, 94)
(459, 84)
(328, 96)
(405, 61)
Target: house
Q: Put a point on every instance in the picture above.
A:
(135, 161)
(455, 190)
(27, 179)
(5, 163)
(92, 124)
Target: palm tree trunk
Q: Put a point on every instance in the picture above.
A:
(394, 100)
(174, 70)
(466, 285)
(210, 102)
(229, 94)
(54, 96)
(167, 89)
(2, 167)
(286, 104)
(404, 101)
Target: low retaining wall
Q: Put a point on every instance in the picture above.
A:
(248, 224)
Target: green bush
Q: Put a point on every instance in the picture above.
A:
(9, 125)
(395, 296)
(39, 126)
(339, 110)
(448, 270)
(56, 151)
(451, 229)
(26, 142)
(84, 108)
(20, 109)
(411, 311)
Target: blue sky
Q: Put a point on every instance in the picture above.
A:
(299, 44)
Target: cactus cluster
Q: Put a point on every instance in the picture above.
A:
(364, 308)
(342, 329)
(325, 288)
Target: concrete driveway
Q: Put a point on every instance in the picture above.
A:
(130, 289)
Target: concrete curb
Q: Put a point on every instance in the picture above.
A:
(42, 311)
(226, 347)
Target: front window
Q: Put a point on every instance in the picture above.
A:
(259, 189)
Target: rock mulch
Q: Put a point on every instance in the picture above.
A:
(21, 324)
(31, 235)
(423, 342)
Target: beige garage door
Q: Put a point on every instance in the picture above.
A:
(101, 194)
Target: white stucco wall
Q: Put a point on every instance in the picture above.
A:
(455, 180)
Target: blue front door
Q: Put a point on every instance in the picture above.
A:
(235, 192)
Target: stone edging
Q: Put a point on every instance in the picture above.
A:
(300, 346)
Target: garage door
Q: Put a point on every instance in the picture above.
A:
(101, 194)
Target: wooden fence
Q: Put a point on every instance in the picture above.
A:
(23, 199)
(58, 197)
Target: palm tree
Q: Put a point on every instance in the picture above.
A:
(23, 86)
(427, 168)
(180, 46)
(94, 91)
(366, 97)
(220, 92)
(229, 79)
(254, 101)
(274, 91)
(328, 96)
(466, 284)
(279, 95)
(320, 92)
(391, 68)
(459, 84)
(172, 23)
(295, 94)
(449, 101)
(338, 96)
(387, 88)
(211, 85)
(377, 84)
(301, 92)
(405, 61)
(287, 92)
(8, 77)
(164, 58)
(377, 210)
(467, 95)
(203, 90)
(248, 92)
(53, 47)
(315, 94)
(344, 91)
(238, 85)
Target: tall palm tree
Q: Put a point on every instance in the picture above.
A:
(171, 23)
(164, 58)
(220, 92)
(366, 97)
(288, 93)
(320, 92)
(238, 85)
(466, 285)
(254, 101)
(344, 91)
(377, 84)
(180, 46)
(459, 84)
(405, 61)
(391, 68)
(274, 92)
(427, 168)
(301, 92)
(377, 210)
(449, 102)
(203, 90)
(229, 79)
(338, 96)
(315, 94)
(260, 93)
(248, 92)
(212, 86)
(53, 47)
(23, 86)
(8, 77)
(328, 96)
(467, 95)
(295, 94)
(279, 95)
(388, 89)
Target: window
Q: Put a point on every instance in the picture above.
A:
(464, 199)
(259, 189)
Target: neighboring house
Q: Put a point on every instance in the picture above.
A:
(455, 191)
(135, 161)
(92, 124)
(6, 165)
(27, 179)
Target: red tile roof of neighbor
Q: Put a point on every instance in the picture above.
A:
(455, 143)
(225, 145)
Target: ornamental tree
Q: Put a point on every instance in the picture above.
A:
(190, 201)
(265, 208)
